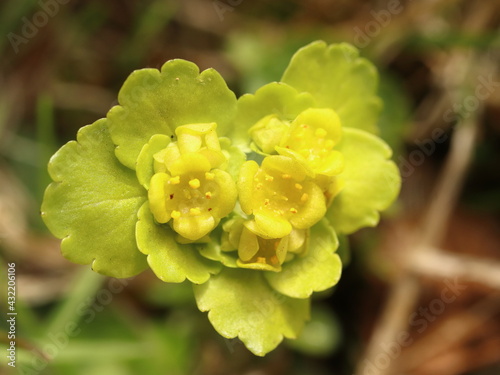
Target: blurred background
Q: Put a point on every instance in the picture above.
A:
(420, 294)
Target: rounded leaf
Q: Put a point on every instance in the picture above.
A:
(92, 205)
(170, 261)
(318, 270)
(275, 98)
(337, 78)
(157, 102)
(371, 182)
(240, 303)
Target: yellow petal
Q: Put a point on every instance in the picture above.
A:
(258, 266)
(312, 210)
(156, 196)
(194, 227)
(232, 233)
(189, 163)
(286, 166)
(165, 157)
(294, 155)
(298, 240)
(246, 185)
(320, 118)
(272, 226)
(268, 132)
(201, 138)
(227, 194)
(331, 164)
(248, 245)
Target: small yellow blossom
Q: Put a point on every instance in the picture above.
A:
(194, 202)
(280, 196)
(199, 138)
(311, 139)
(187, 187)
(268, 132)
(258, 252)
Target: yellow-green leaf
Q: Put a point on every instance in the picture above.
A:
(240, 303)
(92, 205)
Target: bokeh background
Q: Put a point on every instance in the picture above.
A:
(419, 294)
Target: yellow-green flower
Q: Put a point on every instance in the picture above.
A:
(203, 139)
(311, 139)
(268, 133)
(187, 189)
(194, 196)
(192, 138)
(280, 196)
(259, 252)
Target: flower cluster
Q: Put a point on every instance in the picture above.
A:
(245, 198)
(289, 192)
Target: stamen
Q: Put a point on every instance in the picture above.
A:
(269, 178)
(261, 260)
(174, 180)
(266, 202)
(274, 260)
(194, 183)
(286, 176)
(194, 211)
(258, 186)
(304, 197)
(298, 186)
(209, 176)
(175, 214)
(293, 210)
(208, 195)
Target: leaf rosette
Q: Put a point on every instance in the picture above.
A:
(244, 198)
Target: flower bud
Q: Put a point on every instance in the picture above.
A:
(268, 132)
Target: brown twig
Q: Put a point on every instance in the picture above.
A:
(455, 329)
(405, 292)
(436, 263)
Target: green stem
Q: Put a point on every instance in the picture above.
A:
(46, 140)
(85, 288)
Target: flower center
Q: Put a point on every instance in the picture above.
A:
(190, 194)
(311, 140)
(312, 144)
(278, 193)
